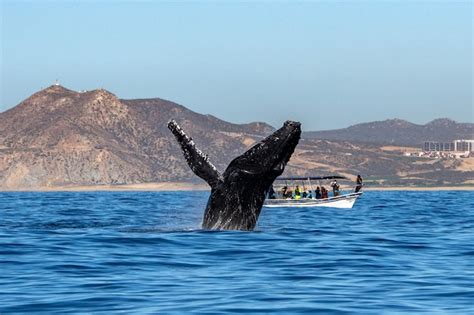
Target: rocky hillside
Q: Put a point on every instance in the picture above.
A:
(58, 137)
(379, 165)
(399, 132)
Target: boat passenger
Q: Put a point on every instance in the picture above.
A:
(358, 183)
(305, 194)
(324, 192)
(335, 188)
(297, 192)
(317, 193)
(310, 195)
(271, 193)
(284, 192)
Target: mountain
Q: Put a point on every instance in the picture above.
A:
(60, 137)
(399, 132)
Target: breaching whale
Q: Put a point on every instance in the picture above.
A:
(238, 194)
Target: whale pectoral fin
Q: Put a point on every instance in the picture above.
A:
(197, 161)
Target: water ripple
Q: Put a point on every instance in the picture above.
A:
(144, 252)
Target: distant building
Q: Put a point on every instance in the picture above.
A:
(438, 146)
(464, 145)
(454, 146)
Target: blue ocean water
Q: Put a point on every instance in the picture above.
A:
(144, 252)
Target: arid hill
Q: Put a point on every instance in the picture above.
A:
(399, 132)
(59, 137)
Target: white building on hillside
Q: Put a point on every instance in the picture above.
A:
(453, 146)
(464, 145)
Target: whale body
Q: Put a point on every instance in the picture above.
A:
(238, 194)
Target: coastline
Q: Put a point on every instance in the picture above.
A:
(163, 186)
(186, 186)
(419, 188)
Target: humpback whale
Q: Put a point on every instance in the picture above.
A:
(238, 194)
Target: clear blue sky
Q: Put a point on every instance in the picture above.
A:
(327, 64)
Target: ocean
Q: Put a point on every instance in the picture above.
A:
(144, 253)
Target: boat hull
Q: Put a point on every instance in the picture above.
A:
(341, 202)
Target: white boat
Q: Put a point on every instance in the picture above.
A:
(341, 201)
(307, 199)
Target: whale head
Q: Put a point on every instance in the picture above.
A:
(267, 159)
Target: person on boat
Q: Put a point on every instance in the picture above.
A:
(324, 192)
(304, 195)
(335, 188)
(284, 192)
(297, 192)
(310, 194)
(271, 193)
(358, 183)
(289, 194)
(317, 193)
